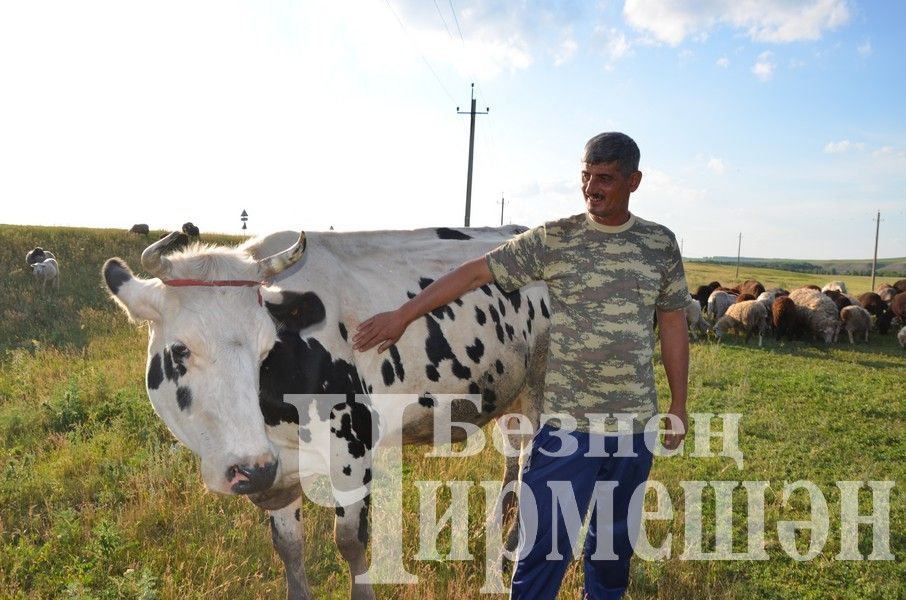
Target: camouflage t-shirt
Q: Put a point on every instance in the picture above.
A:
(605, 284)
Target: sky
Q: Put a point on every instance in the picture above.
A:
(781, 120)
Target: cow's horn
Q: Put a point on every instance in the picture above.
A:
(152, 261)
(279, 262)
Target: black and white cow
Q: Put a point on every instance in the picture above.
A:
(223, 351)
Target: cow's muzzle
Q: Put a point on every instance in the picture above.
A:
(251, 479)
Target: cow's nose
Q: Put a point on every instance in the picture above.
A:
(251, 479)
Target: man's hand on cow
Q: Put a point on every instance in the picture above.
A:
(383, 328)
(673, 436)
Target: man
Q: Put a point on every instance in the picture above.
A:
(608, 272)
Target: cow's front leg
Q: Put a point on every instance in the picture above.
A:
(288, 537)
(351, 529)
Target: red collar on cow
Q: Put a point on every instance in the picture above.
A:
(218, 283)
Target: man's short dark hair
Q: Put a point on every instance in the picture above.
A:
(613, 146)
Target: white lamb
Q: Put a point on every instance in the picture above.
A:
(748, 316)
(718, 303)
(694, 318)
(45, 271)
(901, 337)
(855, 320)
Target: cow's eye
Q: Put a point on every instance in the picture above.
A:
(179, 350)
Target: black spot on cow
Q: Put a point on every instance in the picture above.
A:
(301, 366)
(495, 316)
(366, 478)
(475, 351)
(297, 311)
(510, 331)
(501, 307)
(397, 363)
(544, 310)
(355, 425)
(424, 282)
(116, 273)
(155, 374)
(410, 295)
(427, 401)
(343, 333)
(514, 298)
(486, 289)
(531, 309)
(458, 302)
(183, 397)
(432, 373)
(387, 372)
(363, 523)
(445, 233)
(474, 388)
(169, 372)
(499, 366)
(488, 400)
(298, 514)
(437, 348)
(480, 317)
(347, 470)
(341, 512)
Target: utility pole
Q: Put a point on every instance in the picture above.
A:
(874, 261)
(471, 152)
(738, 254)
(501, 209)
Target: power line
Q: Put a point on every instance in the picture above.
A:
(455, 20)
(442, 19)
(420, 53)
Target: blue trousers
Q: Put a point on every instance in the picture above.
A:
(541, 566)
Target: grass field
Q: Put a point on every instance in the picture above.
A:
(98, 501)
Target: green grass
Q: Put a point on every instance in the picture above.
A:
(98, 501)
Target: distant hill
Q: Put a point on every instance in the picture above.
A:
(887, 267)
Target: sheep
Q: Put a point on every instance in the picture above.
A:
(855, 320)
(140, 229)
(718, 302)
(900, 285)
(898, 307)
(812, 286)
(901, 337)
(750, 286)
(886, 291)
(872, 302)
(749, 316)
(190, 229)
(767, 298)
(703, 292)
(47, 270)
(836, 286)
(818, 311)
(694, 319)
(745, 297)
(37, 254)
(784, 318)
(839, 298)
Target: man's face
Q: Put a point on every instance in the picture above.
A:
(607, 191)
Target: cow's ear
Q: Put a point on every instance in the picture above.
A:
(294, 310)
(142, 299)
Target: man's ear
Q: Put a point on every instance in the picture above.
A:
(293, 310)
(634, 180)
(141, 299)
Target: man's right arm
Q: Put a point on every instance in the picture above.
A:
(386, 328)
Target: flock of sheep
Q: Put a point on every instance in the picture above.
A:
(803, 313)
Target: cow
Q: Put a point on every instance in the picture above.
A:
(140, 229)
(224, 350)
(47, 270)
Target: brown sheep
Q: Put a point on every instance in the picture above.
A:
(783, 317)
(900, 285)
(898, 306)
(750, 286)
(744, 297)
(886, 291)
(839, 298)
